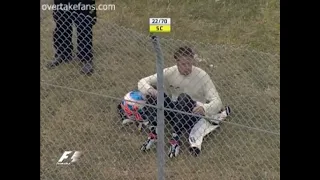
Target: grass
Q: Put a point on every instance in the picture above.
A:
(240, 38)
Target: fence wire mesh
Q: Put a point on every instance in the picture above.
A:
(79, 112)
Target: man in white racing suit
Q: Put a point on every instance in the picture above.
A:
(185, 78)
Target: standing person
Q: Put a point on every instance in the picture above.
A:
(83, 14)
(191, 87)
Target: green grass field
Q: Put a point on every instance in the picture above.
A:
(240, 38)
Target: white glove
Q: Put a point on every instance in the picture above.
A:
(153, 92)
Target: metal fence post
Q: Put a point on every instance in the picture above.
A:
(160, 110)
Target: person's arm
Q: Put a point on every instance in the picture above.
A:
(147, 83)
(212, 96)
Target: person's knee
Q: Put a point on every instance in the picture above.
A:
(185, 102)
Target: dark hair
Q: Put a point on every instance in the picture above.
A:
(183, 51)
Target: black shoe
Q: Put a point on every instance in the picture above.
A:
(87, 68)
(194, 151)
(57, 62)
(54, 63)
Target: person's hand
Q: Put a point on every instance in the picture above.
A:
(152, 92)
(199, 110)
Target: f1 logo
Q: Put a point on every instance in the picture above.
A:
(69, 157)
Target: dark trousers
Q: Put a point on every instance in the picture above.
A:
(179, 122)
(62, 37)
(182, 122)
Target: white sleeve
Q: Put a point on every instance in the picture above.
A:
(146, 83)
(212, 96)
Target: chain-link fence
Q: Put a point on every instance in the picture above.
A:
(79, 112)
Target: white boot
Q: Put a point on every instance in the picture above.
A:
(218, 118)
(152, 138)
(174, 146)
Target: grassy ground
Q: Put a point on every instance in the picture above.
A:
(78, 113)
